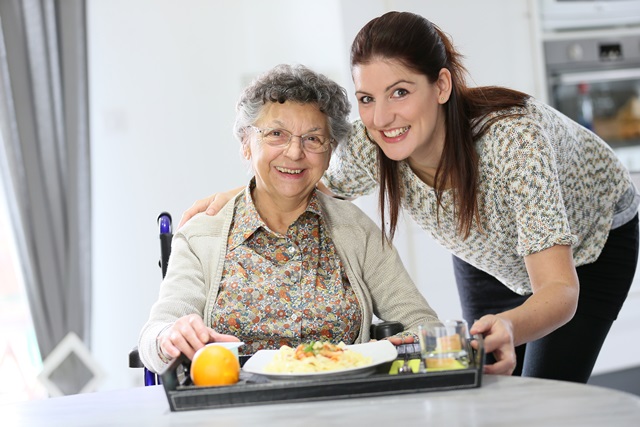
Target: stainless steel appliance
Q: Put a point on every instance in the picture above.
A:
(575, 14)
(595, 80)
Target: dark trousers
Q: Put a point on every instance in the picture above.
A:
(570, 352)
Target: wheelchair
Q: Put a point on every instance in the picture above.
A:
(166, 234)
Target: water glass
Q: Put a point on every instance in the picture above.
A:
(444, 345)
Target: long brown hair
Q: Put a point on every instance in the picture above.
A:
(421, 46)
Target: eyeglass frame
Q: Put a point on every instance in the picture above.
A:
(326, 143)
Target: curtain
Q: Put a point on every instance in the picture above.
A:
(44, 160)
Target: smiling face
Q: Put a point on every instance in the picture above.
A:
(286, 177)
(402, 110)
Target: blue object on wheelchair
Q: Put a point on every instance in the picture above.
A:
(164, 221)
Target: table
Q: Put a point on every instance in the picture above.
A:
(501, 401)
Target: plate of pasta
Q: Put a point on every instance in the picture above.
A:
(320, 360)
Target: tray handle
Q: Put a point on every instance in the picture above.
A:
(479, 352)
(176, 373)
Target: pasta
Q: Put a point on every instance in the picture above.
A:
(315, 357)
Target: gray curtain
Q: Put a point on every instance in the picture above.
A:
(44, 159)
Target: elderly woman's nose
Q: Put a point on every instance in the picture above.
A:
(294, 150)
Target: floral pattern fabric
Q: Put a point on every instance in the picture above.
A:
(283, 289)
(544, 181)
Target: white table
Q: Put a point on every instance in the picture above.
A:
(501, 401)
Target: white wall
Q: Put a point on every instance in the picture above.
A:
(164, 78)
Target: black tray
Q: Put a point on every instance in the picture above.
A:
(257, 390)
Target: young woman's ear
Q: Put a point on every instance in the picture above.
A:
(444, 85)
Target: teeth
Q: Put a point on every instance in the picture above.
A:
(396, 132)
(285, 170)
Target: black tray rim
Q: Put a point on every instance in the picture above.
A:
(253, 390)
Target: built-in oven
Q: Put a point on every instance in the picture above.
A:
(594, 78)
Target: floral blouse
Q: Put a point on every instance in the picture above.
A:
(283, 289)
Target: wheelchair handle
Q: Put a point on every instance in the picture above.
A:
(164, 220)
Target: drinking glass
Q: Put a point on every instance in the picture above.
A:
(444, 345)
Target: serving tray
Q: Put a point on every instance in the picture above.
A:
(258, 390)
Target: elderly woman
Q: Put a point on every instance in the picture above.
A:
(281, 263)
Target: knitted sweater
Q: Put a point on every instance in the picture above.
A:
(544, 180)
(376, 273)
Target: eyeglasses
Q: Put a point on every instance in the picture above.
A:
(281, 138)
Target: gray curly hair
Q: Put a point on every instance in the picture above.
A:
(295, 83)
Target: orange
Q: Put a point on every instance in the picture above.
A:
(214, 365)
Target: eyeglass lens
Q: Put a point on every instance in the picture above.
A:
(314, 143)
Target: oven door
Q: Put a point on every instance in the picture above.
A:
(612, 98)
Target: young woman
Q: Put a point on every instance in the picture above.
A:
(540, 215)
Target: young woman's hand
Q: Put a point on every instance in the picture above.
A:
(498, 339)
(188, 335)
(211, 205)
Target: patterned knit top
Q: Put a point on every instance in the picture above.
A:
(544, 180)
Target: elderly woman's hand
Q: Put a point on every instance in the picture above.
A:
(211, 204)
(188, 335)
(498, 339)
(396, 340)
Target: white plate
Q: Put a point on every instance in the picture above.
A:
(379, 351)
(232, 345)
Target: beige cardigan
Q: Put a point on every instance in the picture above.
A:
(380, 281)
